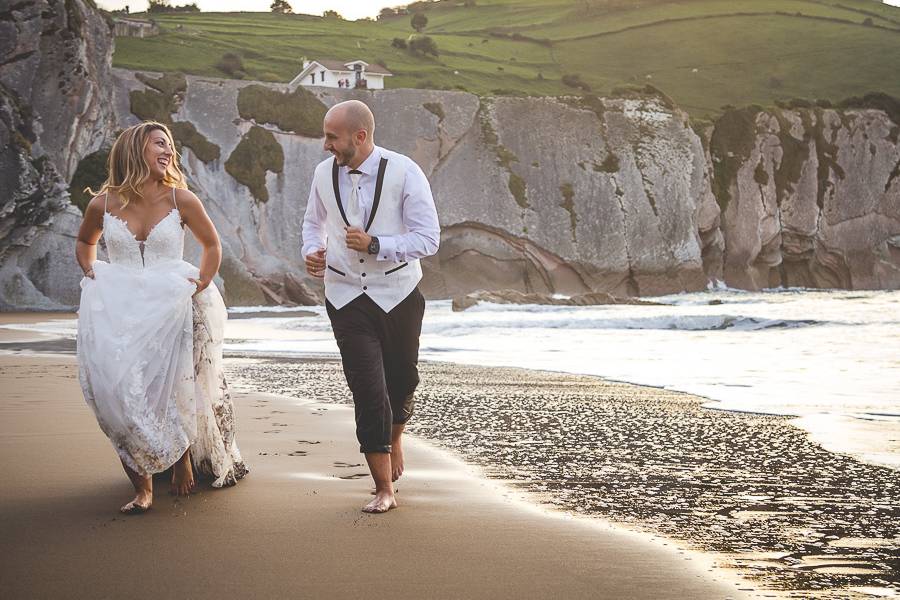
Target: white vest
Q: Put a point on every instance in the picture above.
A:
(349, 273)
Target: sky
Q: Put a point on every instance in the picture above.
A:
(349, 9)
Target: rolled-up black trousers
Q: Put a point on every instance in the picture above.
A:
(380, 355)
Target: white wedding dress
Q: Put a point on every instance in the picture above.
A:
(150, 356)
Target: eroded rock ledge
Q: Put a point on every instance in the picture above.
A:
(461, 303)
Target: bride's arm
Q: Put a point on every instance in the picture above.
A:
(88, 236)
(194, 216)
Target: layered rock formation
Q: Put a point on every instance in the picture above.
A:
(614, 196)
(810, 197)
(55, 108)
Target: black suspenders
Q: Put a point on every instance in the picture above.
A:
(379, 183)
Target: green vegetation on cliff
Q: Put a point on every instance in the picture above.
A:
(187, 135)
(150, 105)
(730, 146)
(435, 108)
(505, 157)
(171, 85)
(160, 101)
(257, 153)
(299, 111)
(90, 173)
(568, 203)
(702, 53)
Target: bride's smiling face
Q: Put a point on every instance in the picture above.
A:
(158, 154)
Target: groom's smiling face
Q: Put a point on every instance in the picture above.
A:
(340, 140)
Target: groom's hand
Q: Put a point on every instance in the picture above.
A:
(315, 263)
(357, 239)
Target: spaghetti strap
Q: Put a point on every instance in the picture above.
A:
(106, 202)
(173, 199)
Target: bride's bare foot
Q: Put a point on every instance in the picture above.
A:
(383, 502)
(182, 476)
(141, 503)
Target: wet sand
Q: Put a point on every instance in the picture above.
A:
(752, 490)
(293, 527)
(10, 334)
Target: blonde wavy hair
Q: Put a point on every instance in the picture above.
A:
(127, 170)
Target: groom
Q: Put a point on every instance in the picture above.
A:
(369, 219)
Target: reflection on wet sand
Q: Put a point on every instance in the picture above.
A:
(753, 489)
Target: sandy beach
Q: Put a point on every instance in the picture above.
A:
(293, 527)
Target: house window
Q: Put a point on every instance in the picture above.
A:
(322, 77)
(313, 77)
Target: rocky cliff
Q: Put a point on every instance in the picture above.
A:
(810, 197)
(573, 195)
(55, 108)
(540, 195)
(535, 194)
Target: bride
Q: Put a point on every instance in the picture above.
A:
(150, 325)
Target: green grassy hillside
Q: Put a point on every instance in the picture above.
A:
(702, 53)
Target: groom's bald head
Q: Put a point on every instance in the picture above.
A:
(353, 116)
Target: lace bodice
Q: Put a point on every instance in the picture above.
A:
(164, 242)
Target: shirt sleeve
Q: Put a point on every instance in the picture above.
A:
(314, 236)
(420, 218)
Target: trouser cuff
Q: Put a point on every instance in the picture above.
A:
(386, 449)
(400, 417)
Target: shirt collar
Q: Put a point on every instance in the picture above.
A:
(370, 165)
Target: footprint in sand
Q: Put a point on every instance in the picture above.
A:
(277, 412)
(298, 453)
(346, 465)
(273, 431)
(307, 442)
(279, 424)
(354, 476)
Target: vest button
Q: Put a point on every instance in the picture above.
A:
(363, 274)
(365, 287)
(362, 260)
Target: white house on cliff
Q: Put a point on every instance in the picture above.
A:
(337, 74)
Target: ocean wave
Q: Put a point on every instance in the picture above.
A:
(666, 322)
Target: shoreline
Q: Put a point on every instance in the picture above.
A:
(293, 526)
(813, 559)
(822, 428)
(819, 428)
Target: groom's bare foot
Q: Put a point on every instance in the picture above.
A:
(397, 450)
(182, 476)
(141, 503)
(383, 502)
(396, 460)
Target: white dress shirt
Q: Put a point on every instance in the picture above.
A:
(419, 214)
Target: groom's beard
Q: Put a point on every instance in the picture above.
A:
(344, 158)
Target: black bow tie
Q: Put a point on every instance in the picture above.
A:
(355, 172)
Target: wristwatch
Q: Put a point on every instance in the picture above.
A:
(374, 246)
